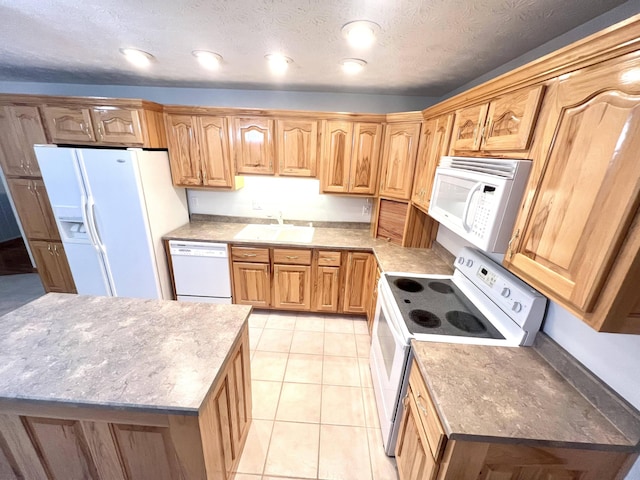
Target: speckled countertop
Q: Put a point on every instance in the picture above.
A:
(143, 355)
(505, 394)
(391, 258)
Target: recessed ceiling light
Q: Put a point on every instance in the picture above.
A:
(351, 66)
(208, 60)
(137, 57)
(278, 63)
(361, 33)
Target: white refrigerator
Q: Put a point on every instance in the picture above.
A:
(112, 207)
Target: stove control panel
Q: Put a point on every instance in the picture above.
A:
(522, 303)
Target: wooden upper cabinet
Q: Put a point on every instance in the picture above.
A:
(69, 124)
(398, 159)
(576, 238)
(215, 152)
(34, 210)
(184, 152)
(434, 143)
(504, 124)
(336, 156)
(118, 126)
(253, 145)
(297, 146)
(20, 129)
(363, 175)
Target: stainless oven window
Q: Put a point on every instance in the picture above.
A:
(387, 342)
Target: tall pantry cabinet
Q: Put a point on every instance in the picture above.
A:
(20, 128)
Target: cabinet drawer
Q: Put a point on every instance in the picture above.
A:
(329, 259)
(250, 254)
(427, 412)
(292, 257)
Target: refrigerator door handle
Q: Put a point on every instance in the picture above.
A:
(91, 215)
(85, 220)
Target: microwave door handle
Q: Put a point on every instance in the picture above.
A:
(467, 206)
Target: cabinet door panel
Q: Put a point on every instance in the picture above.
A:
(398, 160)
(297, 143)
(327, 289)
(586, 198)
(363, 177)
(20, 129)
(357, 288)
(413, 457)
(118, 126)
(216, 156)
(12, 158)
(69, 125)
(251, 284)
(253, 148)
(34, 210)
(336, 156)
(184, 152)
(425, 145)
(52, 265)
(292, 287)
(511, 118)
(467, 129)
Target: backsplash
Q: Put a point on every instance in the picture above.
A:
(296, 198)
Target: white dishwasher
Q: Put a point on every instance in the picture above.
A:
(201, 271)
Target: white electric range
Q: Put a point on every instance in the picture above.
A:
(481, 303)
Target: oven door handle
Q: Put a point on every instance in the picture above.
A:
(467, 206)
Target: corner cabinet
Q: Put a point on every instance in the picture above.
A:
(398, 160)
(199, 151)
(350, 154)
(504, 124)
(577, 238)
(434, 143)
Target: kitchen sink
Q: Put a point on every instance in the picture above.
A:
(276, 232)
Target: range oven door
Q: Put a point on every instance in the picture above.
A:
(388, 360)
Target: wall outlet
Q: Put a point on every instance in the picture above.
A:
(255, 204)
(366, 209)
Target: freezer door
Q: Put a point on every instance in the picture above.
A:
(117, 212)
(86, 270)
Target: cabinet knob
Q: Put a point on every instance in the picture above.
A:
(49, 248)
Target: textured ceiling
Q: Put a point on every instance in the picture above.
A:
(423, 48)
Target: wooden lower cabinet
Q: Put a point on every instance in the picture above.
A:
(252, 284)
(54, 442)
(292, 287)
(371, 313)
(424, 453)
(52, 265)
(357, 287)
(327, 289)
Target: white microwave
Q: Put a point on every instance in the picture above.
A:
(479, 198)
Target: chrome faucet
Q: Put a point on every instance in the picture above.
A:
(280, 220)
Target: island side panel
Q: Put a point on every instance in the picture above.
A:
(225, 416)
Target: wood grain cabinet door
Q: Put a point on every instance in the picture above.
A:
(510, 120)
(118, 126)
(292, 287)
(363, 174)
(336, 153)
(399, 159)
(215, 152)
(572, 230)
(53, 267)
(252, 284)
(467, 129)
(297, 147)
(20, 129)
(69, 124)
(34, 209)
(184, 150)
(327, 289)
(357, 288)
(253, 147)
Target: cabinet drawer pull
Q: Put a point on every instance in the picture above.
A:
(291, 257)
(420, 406)
(405, 400)
(515, 236)
(49, 248)
(249, 255)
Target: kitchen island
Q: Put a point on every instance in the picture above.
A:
(117, 388)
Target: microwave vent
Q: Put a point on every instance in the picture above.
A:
(504, 168)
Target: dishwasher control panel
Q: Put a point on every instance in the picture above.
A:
(198, 249)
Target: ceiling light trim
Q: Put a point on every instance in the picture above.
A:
(208, 59)
(137, 57)
(278, 63)
(361, 33)
(352, 66)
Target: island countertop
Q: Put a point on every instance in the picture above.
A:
(142, 355)
(391, 257)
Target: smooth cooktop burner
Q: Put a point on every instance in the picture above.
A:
(425, 318)
(465, 321)
(408, 285)
(437, 306)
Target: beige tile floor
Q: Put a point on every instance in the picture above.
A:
(314, 412)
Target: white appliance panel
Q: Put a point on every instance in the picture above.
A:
(115, 203)
(215, 300)
(87, 269)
